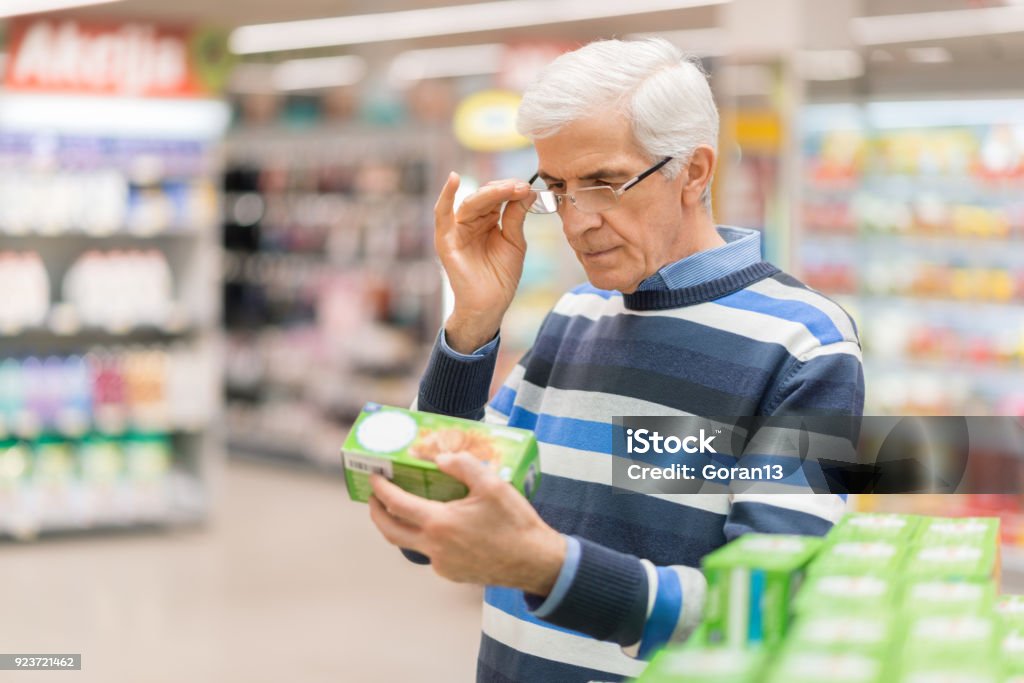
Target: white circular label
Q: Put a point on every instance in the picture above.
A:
(386, 432)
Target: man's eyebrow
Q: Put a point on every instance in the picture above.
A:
(594, 175)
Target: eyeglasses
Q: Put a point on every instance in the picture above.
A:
(586, 199)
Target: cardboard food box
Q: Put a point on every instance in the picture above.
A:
(876, 527)
(846, 593)
(939, 596)
(951, 639)
(751, 583)
(880, 558)
(966, 561)
(402, 445)
(983, 531)
(799, 666)
(1010, 610)
(866, 633)
(704, 665)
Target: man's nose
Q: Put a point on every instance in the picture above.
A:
(576, 222)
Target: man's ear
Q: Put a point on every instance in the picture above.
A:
(697, 175)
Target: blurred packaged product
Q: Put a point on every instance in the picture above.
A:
(24, 273)
(751, 583)
(912, 213)
(403, 445)
(705, 665)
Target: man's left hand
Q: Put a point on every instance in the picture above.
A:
(493, 536)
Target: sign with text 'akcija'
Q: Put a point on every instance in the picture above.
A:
(136, 59)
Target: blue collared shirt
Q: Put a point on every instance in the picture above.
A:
(742, 248)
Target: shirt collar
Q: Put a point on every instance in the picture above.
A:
(742, 248)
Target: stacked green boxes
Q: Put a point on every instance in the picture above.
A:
(402, 446)
(751, 583)
(846, 594)
(800, 666)
(956, 549)
(698, 665)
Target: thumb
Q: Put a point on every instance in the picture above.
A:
(466, 467)
(512, 222)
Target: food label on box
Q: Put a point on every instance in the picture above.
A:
(852, 586)
(359, 463)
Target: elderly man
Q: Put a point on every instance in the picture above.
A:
(680, 317)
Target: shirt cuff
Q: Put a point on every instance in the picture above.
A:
(564, 580)
(483, 351)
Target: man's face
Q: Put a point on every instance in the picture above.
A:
(620, 246)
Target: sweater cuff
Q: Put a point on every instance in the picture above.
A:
(457, 386)
(562, 584)
(607, 598)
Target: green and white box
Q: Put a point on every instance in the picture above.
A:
(876, 526)
(964, 561)
(846, 593)
(401, 445)
(1011, 650)
(952, 639)
(866, 633)
(983, 531)
(939, 596)
(751, 583)
(1010, 610)
(881, 558)
(801, 666)
(966, 672)
(705, 665)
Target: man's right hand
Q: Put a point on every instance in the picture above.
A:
(482, 250)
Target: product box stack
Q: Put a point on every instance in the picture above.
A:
(884, 598)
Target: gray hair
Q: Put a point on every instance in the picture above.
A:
(662, 91)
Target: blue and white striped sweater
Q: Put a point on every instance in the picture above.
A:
(754, 342)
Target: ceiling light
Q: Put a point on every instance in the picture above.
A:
(13, 8)
(435, 21)
(929, 55)
(830, 65)
(446, 62)
(907, 28)
(321, 72)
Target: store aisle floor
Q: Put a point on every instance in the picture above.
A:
(288, 583)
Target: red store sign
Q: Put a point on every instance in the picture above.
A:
(130, 59)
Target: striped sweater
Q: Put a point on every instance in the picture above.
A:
(752, 342)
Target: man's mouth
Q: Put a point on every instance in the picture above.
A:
(598, 253)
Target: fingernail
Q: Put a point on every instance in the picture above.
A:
(522, 187)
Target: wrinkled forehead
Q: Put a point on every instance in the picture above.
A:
(589, 148)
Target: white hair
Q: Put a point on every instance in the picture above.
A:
(664, 93)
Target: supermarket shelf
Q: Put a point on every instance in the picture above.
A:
(936, 305)
(915, 240)
(164, 233)
(63, 322)
(186, 504)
